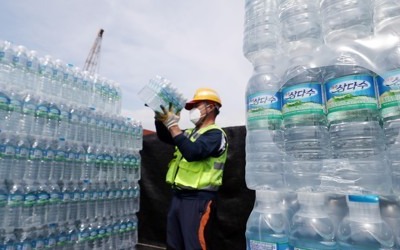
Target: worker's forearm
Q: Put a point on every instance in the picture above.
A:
(175, 130)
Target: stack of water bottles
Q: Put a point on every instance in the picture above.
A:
(69, 162)
(158, 92)
(323, 119)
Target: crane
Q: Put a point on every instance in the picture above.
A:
(92, 62)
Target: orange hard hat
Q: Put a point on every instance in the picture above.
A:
(204, 94)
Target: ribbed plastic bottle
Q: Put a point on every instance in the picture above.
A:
(390, 212)
(17, 186)
(268, 225)
(261, 28)
(46, 75)
(264, 138)
(303, 108)
(386, 24)
(352, 106)
(364, 228)
(32, 72)
(311, 227)
(27, 120)
(40, 116)
(18, 71)
(6, 55)
(14, 112)
(53, 119)
(4, 108)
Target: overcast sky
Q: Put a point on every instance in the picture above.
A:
(193, 43)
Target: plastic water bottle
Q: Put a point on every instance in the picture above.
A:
(364, 228)
(386, 23)
(311, 227)
(85, 88)
(301, 31)
(303, 108)
(345, 21)
(139, 136)
(63, 122)
(390, 212)
(58, 77)
(386, 17)
(3, 204)
(32, 72)
(25, 237)
(46, 73)
(107, 130)
(53, 119)
(67, 83)
(6, 55)
(352, 107)
(81, 132)
(17, 186)
(19, 60)
(26, 123)
(14, 112)
(261, 29)
(8, 147)
(60, 161)
(4, 109)
(99, 132)
(41, 116)
(264, 138)
(268, 226)
(306, 136)
(118, 99)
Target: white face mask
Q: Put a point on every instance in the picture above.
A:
(195, 115)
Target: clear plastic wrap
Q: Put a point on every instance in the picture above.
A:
(340, 94)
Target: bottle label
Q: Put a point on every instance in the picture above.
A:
(3, 200)
(30, 199)
(55, 197)
(4, 103)
(54, 113)
(303, 99)
(43, 198)
(260, 245)
(350, 93)
(60, 156)
(41, 111)
(22, 152)
(48, 155)
(64, 115)
(389, 93)
(9, 151)
(28, 108)
(15, 105)
(263, 107)
(36, 154)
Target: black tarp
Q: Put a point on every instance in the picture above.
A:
(234, 204)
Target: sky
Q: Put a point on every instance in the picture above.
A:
(193, 43)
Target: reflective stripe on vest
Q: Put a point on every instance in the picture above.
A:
(205, 174)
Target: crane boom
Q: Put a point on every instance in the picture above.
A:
(92, 62)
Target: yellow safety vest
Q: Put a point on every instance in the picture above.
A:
(205, 174)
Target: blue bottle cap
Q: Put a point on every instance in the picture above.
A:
(364, 198)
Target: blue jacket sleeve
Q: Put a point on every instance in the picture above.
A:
(208, 144)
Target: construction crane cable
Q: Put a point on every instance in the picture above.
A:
(93, 59)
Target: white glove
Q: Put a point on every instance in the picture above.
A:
(168, 118)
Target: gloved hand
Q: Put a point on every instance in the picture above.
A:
(167, 117)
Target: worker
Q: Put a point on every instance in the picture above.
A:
(195, 172)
